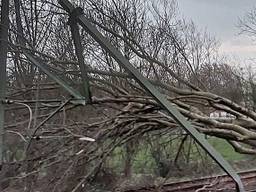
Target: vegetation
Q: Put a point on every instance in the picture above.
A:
(53, 143)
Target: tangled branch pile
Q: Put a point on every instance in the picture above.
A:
(180, 61)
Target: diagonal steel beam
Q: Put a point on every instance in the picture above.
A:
(79, 53)
(34, 61)
(171, 109)
(3, 58)
(79, 99)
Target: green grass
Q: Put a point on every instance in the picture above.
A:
(143, 161)
(225, 149)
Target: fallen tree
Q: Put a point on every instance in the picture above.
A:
(180, 61)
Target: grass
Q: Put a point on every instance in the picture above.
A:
(226, 150)
(143, 161)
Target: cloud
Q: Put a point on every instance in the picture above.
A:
(240, 48)
(220, 17)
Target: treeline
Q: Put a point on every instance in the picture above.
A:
(45, 128)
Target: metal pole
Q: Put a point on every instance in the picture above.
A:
(79, 99)
(79, 53)
(3, 58)
(41, 65)
(170, 108)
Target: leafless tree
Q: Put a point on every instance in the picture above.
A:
(178, 59)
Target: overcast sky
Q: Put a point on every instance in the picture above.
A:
(220, 17)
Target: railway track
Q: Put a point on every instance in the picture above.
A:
(217, 183)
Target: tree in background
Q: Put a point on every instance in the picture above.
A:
(180, 61)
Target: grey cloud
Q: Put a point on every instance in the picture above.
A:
(220, 17)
